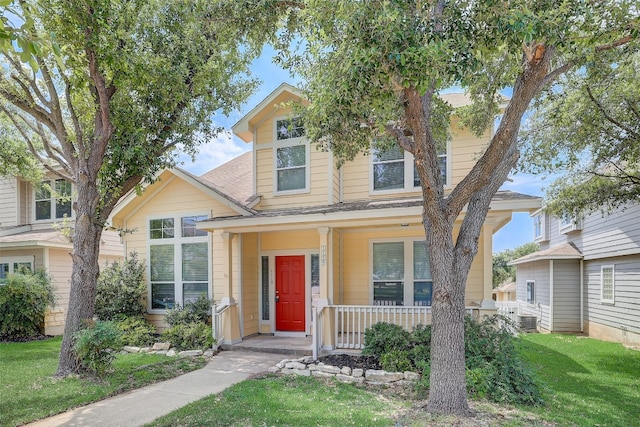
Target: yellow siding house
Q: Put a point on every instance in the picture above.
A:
(295, 246)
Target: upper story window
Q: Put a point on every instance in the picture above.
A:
(569, 223)
(53, 200)
(394, 169)
(540, 233)
(291, 157)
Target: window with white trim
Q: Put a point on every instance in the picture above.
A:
(531, 291)
(178, 261)
(607, 284)
(401, 273)
(569, 223)
(393, 169)
(52, 200)
(540, 227)
(13, 265)
(291, 156)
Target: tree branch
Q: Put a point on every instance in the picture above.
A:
(609, 118)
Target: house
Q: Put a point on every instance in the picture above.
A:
(585, 277)
(290, 244)
(505, 292)
(35, 222)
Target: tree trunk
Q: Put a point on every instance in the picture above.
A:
(84, 276)
(447, 390)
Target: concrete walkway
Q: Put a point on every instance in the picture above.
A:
(138, 407)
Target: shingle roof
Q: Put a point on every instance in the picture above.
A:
(366, 205)
(233, 178)
(30, 238)
(564, 251)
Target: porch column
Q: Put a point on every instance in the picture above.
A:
(231, 317)
(487, 289)
(326, 287)
(326, 265)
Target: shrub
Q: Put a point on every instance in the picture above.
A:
(94, 346)
(396, 361)
(23, 301)
(121, 290)
(383, 338)
(193, 312)
(189, 336)
(136, 331)
(494, 369)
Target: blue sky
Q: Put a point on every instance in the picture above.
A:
(226, 146)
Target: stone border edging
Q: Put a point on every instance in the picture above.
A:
(306, 366)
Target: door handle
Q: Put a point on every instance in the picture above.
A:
(277, 298)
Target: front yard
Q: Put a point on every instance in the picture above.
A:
(587, 382)
(29, 392)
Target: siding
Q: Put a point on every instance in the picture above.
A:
(538, 271)
(624, 313)
(8, 202)
(566, 296)
(355, 281)
(601, 236)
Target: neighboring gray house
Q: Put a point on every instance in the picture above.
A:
(585, 277)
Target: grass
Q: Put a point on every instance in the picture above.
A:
(28, 390)
(589, 382)
(287, 401)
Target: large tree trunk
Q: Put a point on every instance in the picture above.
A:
(84, 276)
(447, 390)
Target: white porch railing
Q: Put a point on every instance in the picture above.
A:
(216, 322)
(350, 321)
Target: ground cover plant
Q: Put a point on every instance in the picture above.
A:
(30, 392)
(589, 382)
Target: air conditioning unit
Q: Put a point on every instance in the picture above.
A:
(527, 323)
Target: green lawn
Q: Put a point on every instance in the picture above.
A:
(29, 392)
(287, 401)
(589, 382)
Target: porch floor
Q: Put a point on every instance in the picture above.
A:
(295, 346)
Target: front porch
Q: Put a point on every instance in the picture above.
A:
(334, 328)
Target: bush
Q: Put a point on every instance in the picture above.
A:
(23, 301)
(136, 331)
(121, 290)
(397, 361)
(189, 336)
(494, 369)
(193, 312)
(383, 338)
(95, 346)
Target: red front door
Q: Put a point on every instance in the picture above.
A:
(290, 293)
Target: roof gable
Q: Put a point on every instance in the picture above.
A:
(245, 126)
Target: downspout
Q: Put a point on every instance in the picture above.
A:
(551, 296)
(581, 295)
